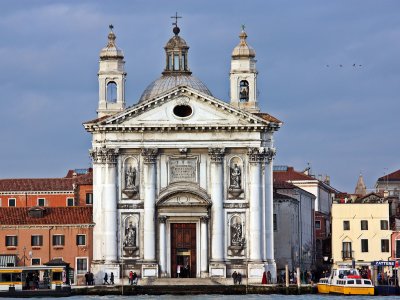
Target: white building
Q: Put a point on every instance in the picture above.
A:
(293, 227)
(182, 180)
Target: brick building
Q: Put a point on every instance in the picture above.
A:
(42, 219)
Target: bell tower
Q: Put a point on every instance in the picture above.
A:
(243, 76)
(111, 78)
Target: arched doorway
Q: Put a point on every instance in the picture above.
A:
(183, 250)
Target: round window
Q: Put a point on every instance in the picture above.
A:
(182, 111)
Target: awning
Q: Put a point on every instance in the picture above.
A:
(8, 260)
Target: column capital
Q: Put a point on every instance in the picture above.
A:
(216, 154)
(257, 155)
(104, 155)
(269, 154)
(149, 155)
(162, 219)
(204, 219)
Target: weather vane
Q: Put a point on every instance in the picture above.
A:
(176, 17)
(243, 27)
(111, 27)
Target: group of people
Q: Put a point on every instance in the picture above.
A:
(133, 278)
(89, 278)
(237, 277)
(105, 279)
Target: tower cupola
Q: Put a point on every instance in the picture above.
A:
(243, 76)
(111, 78)
(176, 52)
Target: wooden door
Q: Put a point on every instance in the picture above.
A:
(183, 249)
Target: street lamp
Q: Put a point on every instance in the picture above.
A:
(24, 257)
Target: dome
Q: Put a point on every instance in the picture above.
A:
(167, 82)
(176, 42)
(243, 49)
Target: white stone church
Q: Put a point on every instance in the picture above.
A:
(182, 180)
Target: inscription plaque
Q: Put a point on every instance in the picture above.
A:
(182, 169)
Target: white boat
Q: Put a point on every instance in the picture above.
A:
(346, 281)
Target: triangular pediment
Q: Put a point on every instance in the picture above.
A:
(183, 106)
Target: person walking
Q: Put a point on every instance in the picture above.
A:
(105, 279)
(112, 278)
(239, 278)
(234, 276)
(130, 277)
(135, 278)
(269, 277)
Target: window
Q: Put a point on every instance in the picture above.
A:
(346, 225)
(244, 91)
(176, 62)
(364, 245)
(81, 265)
(58, 240)
(70, 202)
(89, 198)
(384, 225)
(81, 239)
(364, 225)
(397, 248)
(170, 64)
(385, 245)
(40, 202)
(275, 223)
(11, 202)
(111, 92)
(11, 241)
(347, 252)
(318, 224)
(35, 261)
(36, 240)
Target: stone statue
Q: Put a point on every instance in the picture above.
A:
(130, 236)
(244, 93)
(130, 177)
(236, 177)
(236, 234)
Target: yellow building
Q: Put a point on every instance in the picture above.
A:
(360, 231)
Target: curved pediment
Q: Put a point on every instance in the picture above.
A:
(183, 194)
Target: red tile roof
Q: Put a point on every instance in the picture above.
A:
(395, 176)
(291, 175)
(267, 117)
(44, 184)
(283, 185)
(52, 216)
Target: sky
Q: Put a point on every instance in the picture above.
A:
(330, 70)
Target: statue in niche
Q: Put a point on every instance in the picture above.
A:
(236, 234)
(236, 177)
(130, 177)
(244, 91)
(130, 236)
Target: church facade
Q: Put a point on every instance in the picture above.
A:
(182, 181)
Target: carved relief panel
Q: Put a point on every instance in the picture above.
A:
(130, 178)
(183, 169)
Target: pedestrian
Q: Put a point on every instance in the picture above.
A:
(130, 277)
(134, 278)
(112, 278)
(91, 278)
(105, 278)
(239, 278)
(269, 277)
(87, 278)
(234, 276)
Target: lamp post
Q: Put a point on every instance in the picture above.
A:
(24, 257)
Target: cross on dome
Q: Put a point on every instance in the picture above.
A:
(176, 29)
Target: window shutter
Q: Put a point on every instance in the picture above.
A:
(40, 240)
(62, 240)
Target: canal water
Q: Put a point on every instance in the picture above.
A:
(223, 297)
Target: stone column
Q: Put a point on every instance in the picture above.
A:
(162, 245)
(217, 209)
(149, 184)
(256, 156)
(203, 246)
(269, 212)
(105, 202)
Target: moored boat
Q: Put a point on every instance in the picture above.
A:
(346, 281)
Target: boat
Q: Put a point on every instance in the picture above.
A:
(33, 280)
(345, 281)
